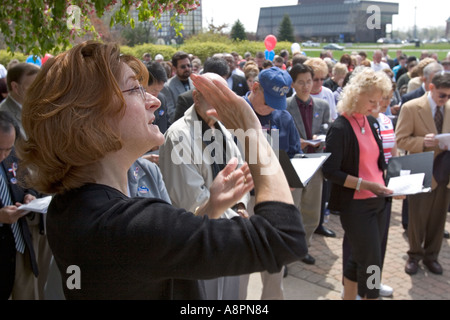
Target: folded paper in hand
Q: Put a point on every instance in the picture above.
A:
(444, 141)
(410, 174)
(313, 142)
(38, 205)
(407, 184)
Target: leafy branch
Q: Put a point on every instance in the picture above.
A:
(50, 26)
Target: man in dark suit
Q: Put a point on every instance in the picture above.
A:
(157, 79)
(19, 78)
(216, 64)
(18, 265)
(235, 78)
(419, 122)
(312, 118)
(180, 82)
(428, 73)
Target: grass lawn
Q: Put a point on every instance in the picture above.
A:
(369, 48)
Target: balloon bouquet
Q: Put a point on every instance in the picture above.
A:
(270, 42)
(37, 60)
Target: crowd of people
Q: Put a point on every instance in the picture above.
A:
(165, 178)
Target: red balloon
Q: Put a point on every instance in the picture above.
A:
(270, 42)
(46, 57)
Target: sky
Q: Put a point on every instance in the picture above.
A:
(428, 13)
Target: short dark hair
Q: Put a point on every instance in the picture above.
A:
(20, 70)
(441, 80)
(8, 123)
(267, 64)
(299, 59)
(260, 55)
(157, 73)
(180, 55)
(284, 53)
(300, 68)
(411, 59)
(216, 65)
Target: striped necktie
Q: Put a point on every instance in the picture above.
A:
(6, 199)
(438, 119)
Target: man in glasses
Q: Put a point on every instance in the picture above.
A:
(318, 90)
(419, 122)
(180, 82)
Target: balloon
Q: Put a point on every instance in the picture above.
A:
(270, 42)
(34, 60)
(269, 54)
(46, 57)
(295, 48)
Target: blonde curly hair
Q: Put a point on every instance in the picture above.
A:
(362, 80)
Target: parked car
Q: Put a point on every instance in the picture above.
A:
(309, 43)
(333, 46)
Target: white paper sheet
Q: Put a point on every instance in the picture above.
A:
(444, 140)
(38, 205)
(313, 142)
(306, 167)
(407, 184)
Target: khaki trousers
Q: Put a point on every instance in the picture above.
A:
(427, 215)
(26, 285)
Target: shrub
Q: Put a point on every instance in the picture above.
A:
(6, 57)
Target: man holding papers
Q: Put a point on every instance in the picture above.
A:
(312, 118)
(419, 122)
(18, 259)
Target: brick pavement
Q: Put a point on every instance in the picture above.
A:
(326, 273)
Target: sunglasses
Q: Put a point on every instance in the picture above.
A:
(444, 96)
(186, 66)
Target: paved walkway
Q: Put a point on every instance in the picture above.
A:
(322, 281)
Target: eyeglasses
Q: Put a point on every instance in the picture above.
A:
(186, 66)
(138, 88)
(444, 96)
(304, 84)
(319, 79)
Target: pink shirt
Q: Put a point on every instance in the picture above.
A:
(368, 154)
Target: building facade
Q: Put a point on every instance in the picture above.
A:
(192, 23)
(331, 20)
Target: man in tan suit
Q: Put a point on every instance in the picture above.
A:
(416, 132)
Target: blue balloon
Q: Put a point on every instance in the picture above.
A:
(269, 54)
(34, 60)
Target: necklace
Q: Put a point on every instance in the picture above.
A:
(363, 130)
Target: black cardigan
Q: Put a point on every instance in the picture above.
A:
(144, 248)
(343, 145)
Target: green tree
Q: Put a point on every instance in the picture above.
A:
(139, 35)
(49, 26)
(238, 31)
(286, 30)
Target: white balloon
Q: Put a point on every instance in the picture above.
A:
(295, 48)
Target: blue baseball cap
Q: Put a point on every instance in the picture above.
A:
(276, 84)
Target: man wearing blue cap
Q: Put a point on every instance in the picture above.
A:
(267, 97)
